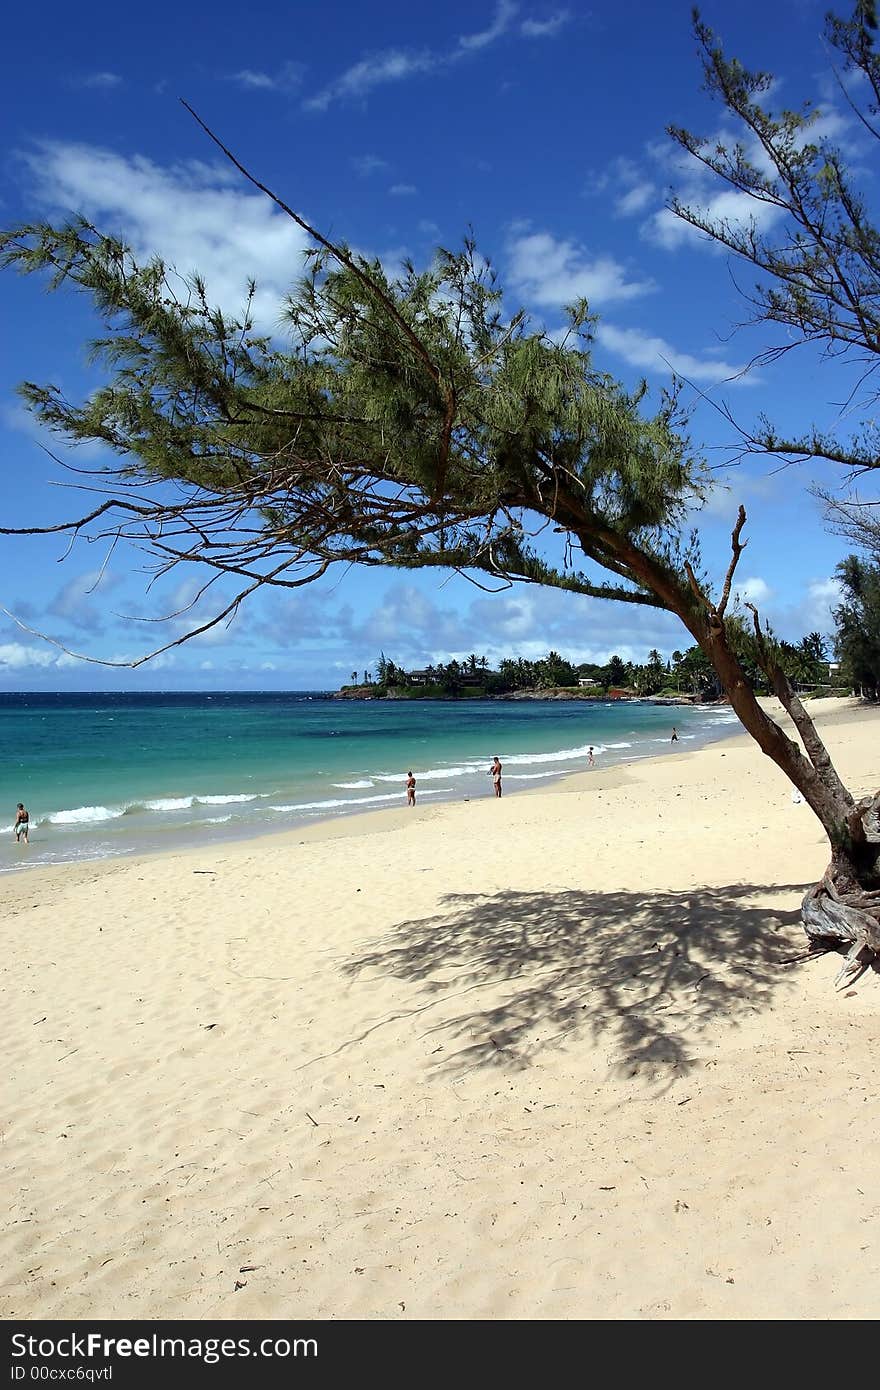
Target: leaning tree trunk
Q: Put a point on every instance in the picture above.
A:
(842, 910)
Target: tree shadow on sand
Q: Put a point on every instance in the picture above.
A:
(643, 972)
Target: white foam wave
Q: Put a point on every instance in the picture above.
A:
(166, 803)
(225, 800)
(509, 760)
(216, 820)
(536, 776)
(432, 774)
(564, 755)
(354, 786)
(82, 815)
(334, 803)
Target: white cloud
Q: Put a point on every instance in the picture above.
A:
(394, 65)
(81, 601)
(754, 590)
(551, 273)
(505, 12)
(259, 81)
(635, 200)
(196, 216)
(15, 656)
(414, 628)
(812, 612)
(366, 164)
(708, 197)
(403, 190)
(100, 80)
(288, 77)
(737, 211)
(815, 610)
(545, 28)
(625, 183)
(650, 353)
(398, 64)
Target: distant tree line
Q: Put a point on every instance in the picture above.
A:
(806, 663)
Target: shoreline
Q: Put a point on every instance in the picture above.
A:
(470, 1065)
(150, 845)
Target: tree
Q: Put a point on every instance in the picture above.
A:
(410, 425)
(449, 677)
(818, 251)
(677, 659)
(815, 646)
(615, 672)
(655, 672)
(857, 619)
(695, 671)
(553, 671)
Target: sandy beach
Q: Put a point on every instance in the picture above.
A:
(540, 1057)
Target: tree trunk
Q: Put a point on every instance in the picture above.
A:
(841, 911)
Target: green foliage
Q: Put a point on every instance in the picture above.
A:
(406, 423)
(616, 672)
(857, 620)
(818, 256)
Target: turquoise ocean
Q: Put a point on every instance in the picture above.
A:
(115, 774)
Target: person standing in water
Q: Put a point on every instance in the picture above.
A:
(410, 789)
(590, 755)
(495, 774)
(674, 738)
(22, 823)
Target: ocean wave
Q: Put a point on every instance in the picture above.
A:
(433, 774)
(564, 755)
(480, 765)
(186, 803)
(93, 815)
(535, 776)
(354, 786)
(83, 815)
(216, 820)
(335, 803)
(225, 800)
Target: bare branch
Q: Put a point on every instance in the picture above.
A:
(737, 549)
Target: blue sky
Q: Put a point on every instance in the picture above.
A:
(397, 127)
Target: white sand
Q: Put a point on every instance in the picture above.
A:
(536, 1058)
